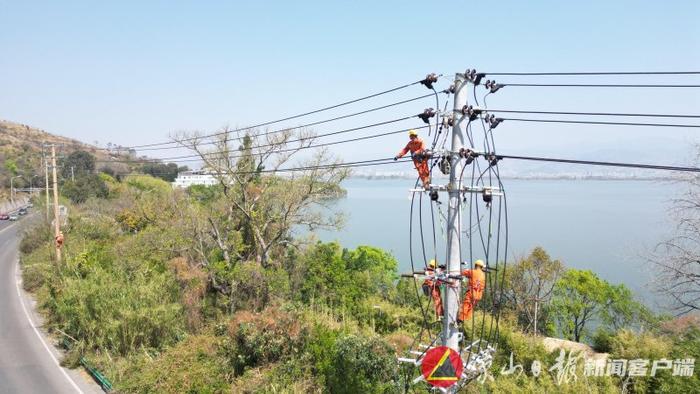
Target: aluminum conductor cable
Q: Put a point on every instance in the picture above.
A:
(293, 116)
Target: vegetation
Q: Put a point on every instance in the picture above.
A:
(208, 290)
(167, 172)
(678, 258)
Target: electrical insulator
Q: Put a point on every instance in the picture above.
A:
(492, 86)
(487, 195)
(494, 121)
(448, 121)
(427, 114)
(445, 165)
(429, 80)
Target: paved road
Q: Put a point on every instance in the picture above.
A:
(28, 361)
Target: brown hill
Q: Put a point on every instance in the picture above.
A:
(21, 153)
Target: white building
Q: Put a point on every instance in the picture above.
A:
(189, 178)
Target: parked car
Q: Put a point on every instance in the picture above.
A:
(4, 216)
(22, 211)
(14, 217)
(30, 205)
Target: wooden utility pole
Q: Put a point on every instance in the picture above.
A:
(56, 218)
(46, 178)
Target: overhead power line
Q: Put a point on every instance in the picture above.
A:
(602, 85)
(602, 73)
(286, 128)
(602, 122)
(593, 113)
(289, 117)
(197, 157)
(601, 163)
(352, 164)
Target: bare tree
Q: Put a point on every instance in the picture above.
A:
(263, 200)
(678, 258)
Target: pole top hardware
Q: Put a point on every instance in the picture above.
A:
(474, 77)
(471, 111)
(493, 121)
(492, 86)
(427, 114)
(429, 80)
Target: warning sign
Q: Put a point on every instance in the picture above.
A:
(442, 366)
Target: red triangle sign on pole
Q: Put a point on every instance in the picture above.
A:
(442, 366)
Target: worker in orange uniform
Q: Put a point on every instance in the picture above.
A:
(477, 283)
(431, 286)
(417, 149)
(59, 239)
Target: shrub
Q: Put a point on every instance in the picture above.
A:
(361, 365)
(192, 366)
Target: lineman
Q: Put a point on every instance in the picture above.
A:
(431, 286)
(417, 148)
(477, 283)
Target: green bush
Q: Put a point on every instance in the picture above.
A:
(194, 366)
(602, 341)
(115, 311)
(361, 365)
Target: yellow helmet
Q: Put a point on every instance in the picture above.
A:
(412, 133)
(432, 263)
(479, 263)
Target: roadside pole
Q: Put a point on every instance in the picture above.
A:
(57, 221)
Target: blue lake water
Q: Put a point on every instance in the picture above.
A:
(605, 226)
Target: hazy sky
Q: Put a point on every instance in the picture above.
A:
(134, 72)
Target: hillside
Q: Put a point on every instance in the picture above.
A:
(21, 153)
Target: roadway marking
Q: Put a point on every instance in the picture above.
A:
(26, 313)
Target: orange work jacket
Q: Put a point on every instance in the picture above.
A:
(477, 282)
(415, 146)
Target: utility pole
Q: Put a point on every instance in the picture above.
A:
(57, 222)
(46, 177)
(72, 174)
(450, 328)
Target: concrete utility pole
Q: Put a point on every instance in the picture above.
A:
(46, 177)
(450, 328)
(57, 222)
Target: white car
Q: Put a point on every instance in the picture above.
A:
(14, 217)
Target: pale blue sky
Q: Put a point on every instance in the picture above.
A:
(132, 72)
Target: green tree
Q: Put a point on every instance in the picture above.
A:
(167, 172)
(84, 187)
(11, 166)
(580, 297)
(361, 365)
(77, 164)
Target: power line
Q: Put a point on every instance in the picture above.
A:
(353, 164)
(601, 163)
(602, 122)
(197, 157)
(289, 117)
(593, 113)
(585, 85)
(287, 128)
(602, 73)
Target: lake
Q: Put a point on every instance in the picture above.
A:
(607, 226)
